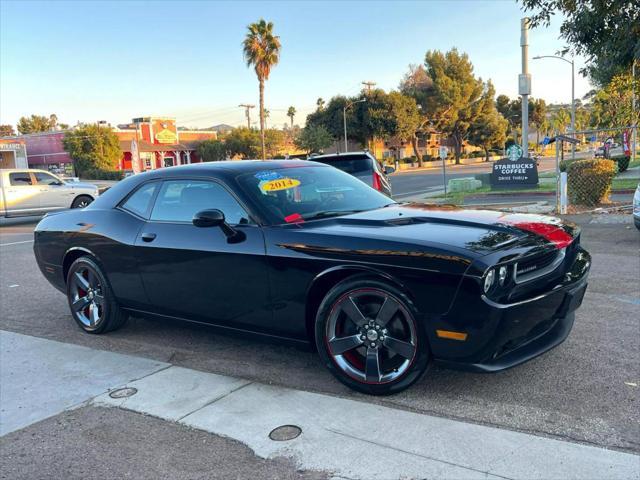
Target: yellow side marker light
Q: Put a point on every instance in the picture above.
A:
(451, 335)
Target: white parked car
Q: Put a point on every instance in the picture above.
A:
(35, 192)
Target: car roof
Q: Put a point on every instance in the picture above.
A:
(343, 155)
(18, 170)
(230, 167)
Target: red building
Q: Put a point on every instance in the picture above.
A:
(155, 142)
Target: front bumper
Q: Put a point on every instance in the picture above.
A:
(501, 336)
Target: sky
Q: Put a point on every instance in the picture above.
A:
(116, 60)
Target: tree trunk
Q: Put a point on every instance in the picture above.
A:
(264, 153)
(486, 154)
(416, 152)
(457, 147)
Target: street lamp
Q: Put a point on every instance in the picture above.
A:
(344, 119)
(573, 101)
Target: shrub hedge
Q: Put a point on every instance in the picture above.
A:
(622, 161)
(96, 174)
(589, 181)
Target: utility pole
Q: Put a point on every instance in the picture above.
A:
(247, 109)
(524, 84)
(368, 86)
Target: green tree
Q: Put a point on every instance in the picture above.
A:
(405, 120)
(607, 33)
(7, 131)
(261, 50)
(212, 151)
(456, 99)
(612, 105)
(313, 139)
(93, 147)
(538, 115)
(489, 128)
(560, 120)
(243, 142)
(291, 113)
(37, 124)
(274, 141)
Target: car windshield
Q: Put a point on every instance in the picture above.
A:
(297, 194)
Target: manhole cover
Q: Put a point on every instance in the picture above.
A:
(285, 432)
(123, 392)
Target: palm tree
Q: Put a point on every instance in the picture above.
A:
(291, 113)
(320, 103)
(267, 113)
(261, 50)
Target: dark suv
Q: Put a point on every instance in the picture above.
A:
(361, 165)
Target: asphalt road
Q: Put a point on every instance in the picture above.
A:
(585, 390)
(410, 183)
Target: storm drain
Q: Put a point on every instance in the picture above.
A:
(123, 392)
(285, 432)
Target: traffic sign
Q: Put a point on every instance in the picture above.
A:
(443, 152)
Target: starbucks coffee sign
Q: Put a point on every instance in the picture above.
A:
(514, 170)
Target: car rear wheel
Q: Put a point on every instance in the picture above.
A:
(368, 337)
(91, 300)
(81, 201)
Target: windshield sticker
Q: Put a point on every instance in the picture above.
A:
(294, 218)
(279, 184)
(265, 176)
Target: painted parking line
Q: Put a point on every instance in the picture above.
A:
(15, 243)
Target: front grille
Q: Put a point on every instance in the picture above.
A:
(538, 265)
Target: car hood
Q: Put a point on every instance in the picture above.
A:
(477, 232)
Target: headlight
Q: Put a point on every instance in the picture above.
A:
(502, 275)
(489, 279)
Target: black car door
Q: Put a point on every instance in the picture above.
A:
(196, 273)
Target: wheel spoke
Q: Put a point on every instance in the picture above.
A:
(98, 299)
(353, 312)
(344, 344)
(387, 311)
(80, 304)
(404, 349)
(372, 365)
(94, 314)
(81, 281)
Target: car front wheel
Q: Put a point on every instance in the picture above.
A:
(92, 303)
(368, 337)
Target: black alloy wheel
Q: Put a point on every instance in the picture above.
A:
(90, 298)
(368, 337)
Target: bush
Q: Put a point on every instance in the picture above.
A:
(97, 174)
(589, 181)
(622, 161)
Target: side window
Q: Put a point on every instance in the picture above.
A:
(46, 179)
(140, 202)
(20, 179)
(180, 200)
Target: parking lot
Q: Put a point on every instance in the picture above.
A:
(586, 390)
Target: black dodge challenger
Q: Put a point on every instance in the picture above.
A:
(305, 252)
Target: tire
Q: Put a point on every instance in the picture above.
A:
(81, 201)
(370, 348)
(636, 222)
(91, 300)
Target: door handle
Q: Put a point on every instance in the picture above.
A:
(148, 237)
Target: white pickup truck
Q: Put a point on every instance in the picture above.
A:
(36, 192)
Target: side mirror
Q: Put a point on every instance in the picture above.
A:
(215, 218)
(208, 218)
(389, 170)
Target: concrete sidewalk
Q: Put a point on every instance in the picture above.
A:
(353, 439)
